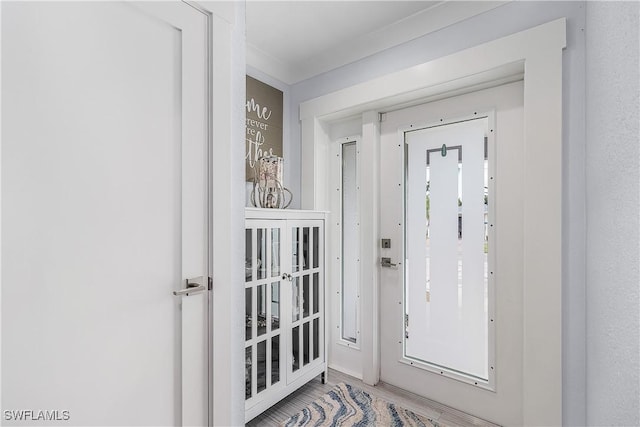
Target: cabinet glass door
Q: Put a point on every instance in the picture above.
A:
(263, 293)
(306, 295)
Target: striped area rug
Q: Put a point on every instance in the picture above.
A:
(345, 405)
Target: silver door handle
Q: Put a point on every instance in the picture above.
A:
(386, 262)
(195, 285)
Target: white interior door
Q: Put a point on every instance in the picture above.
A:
(451, 310)
(104, 212)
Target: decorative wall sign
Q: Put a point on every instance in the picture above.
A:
(263, 125)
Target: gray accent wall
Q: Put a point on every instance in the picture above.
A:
(613, 220)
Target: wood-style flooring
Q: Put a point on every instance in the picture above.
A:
(443, 415)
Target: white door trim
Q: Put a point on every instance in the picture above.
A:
(226, 207)
(537, 51)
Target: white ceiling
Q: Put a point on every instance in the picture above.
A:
(295, 40)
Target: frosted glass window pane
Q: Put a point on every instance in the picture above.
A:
(446, 284)
(350, 242)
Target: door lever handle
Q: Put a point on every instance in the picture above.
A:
(194, 285)
(386, 262)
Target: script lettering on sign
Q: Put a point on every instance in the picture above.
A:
(263, 124)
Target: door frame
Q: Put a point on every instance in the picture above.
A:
(226, 62)
(225, 160)
(535, 54)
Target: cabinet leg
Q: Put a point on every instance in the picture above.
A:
(323, 377)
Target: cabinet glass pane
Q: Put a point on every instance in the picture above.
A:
(316, 292)
(295, 239)
(261, 300)
(275, 359)
(305, 248)
(316, 247)
(262, 253)
(275, 306)
(295, 346)
(248, 260)
(247, 372)
(305, 344)
(275, 252)
(261, 381)
(247, 313)
(305, 296)
(295, 299)
(316, 338)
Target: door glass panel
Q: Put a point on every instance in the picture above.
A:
(261, 381)
(446, 281)
(316, 338)
(248, 258)
(316, 247)
(350, 243)
(261, 301)
(316, 293)
(295, 300)
(305, 344)
(247, 372)
(247, 313)
(295, 346)
(305, 248)
(275, 306)
(275, 252)
(275, 359)
(262, 253)
(295, 246)
(305, 296)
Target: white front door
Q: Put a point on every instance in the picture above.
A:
(104, 213)
(451, 203)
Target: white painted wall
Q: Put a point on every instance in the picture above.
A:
(612, 212)
(502, 21)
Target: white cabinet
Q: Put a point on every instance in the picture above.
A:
(284, 304)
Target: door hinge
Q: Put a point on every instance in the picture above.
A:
(382, 117)
(210, 283)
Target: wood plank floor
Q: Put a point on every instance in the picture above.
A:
(443, 415)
